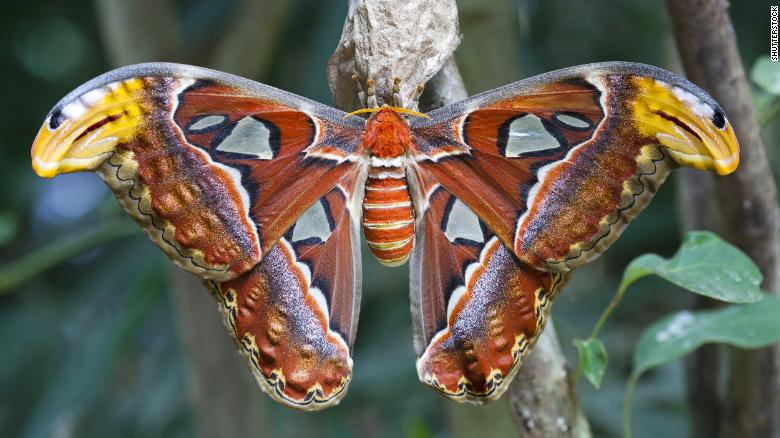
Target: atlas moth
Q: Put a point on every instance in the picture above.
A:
(493, 201)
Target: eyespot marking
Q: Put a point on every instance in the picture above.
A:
(56, 118)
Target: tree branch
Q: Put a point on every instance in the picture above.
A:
(245, 47)
(707, 44)
(698, 210)
(140, 31)
(543, 400)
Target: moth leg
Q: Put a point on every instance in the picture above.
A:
(371, 95)
(418, 91)
(361, 92)
(397, 99)
(367, 96)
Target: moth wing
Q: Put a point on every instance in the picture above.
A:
(558, 164)
(215, 168)
(294, 315)
(476, 309)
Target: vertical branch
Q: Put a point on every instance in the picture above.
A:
(245, 47)
(698, 210)
(705, 37)
(130, 36)
(543, 399)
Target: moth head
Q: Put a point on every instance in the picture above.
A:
(80, 133)
(688, 123)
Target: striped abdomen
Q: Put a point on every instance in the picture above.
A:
(388, 218)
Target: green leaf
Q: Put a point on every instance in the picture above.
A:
(751, 325)
(593, 359)
(705, 264)
(766, 74)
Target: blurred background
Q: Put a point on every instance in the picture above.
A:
(90, 328)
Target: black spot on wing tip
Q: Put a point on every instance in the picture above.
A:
(719, 120)
(56, 118)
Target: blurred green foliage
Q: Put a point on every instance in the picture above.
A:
(765, 74)
(706, 265)
(90, 347)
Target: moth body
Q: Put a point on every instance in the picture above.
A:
(388, 217)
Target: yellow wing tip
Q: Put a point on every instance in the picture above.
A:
(44, 169)
(685, 123)
(88, 128)
(43, 172)
(727, 166)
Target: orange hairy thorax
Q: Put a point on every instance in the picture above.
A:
(388, 217)
(387, 134)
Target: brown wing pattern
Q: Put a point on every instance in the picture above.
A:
(250, 188)
(557, 165)
(214, 168)
(477, 310)
(294, 315)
